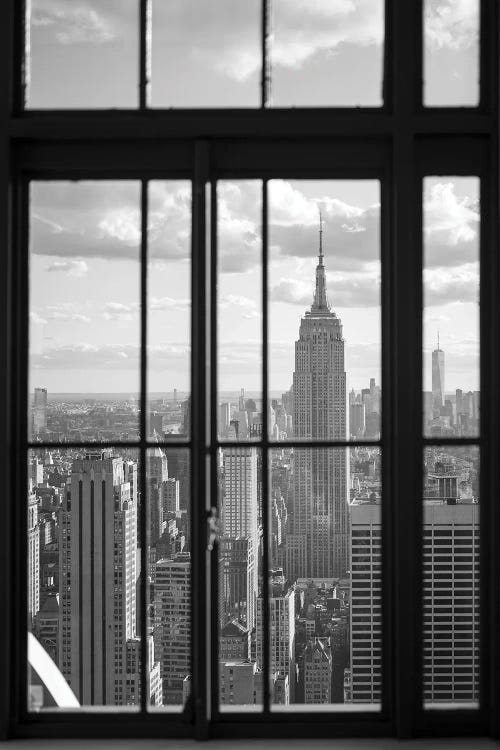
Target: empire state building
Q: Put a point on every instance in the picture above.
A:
(317, 545)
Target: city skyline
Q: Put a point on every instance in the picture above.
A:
(85, 288)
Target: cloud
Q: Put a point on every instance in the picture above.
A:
(72, 23)
(76, 268)
(101, 219)
(119, 311)
(37, 319)
(344, 290)
(228, 40)
(453, 24)
(248, 307)
(444, 286)
(110, 357)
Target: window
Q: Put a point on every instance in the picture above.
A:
(198, 211)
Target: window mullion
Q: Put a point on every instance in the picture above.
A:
(405, 453)
(199, 495)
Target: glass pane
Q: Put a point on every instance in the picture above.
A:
(451, 306)
(83, 579)
(169, 309)
(206, 54)
(451, 577)
(239, 308)
(84, 311)
(325, 309)
(240, 583)
(169, 574)
(327, 53)
(451, 53)
(325, 578)
(82, 55)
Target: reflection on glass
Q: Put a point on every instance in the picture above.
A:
(451, 53)
(240, 585)
(325, 578)
(169, 309)
(82, 55)
(169, 576)
(324, 281)
(451, 307)
(239, 305)
(206, 54)
(451, 577)
(84, 311)
(83, 579)
(327, 54)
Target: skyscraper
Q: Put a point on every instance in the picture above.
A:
(172, 624)
(40, 411)
(317, 546)
(240, 539)
(33, 556)
(97, 561)
(366, 603)
(437, 379)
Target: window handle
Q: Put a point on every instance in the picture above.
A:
(213, 527)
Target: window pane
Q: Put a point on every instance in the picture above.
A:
(451, 306)
(206, 54)
(240, 584)
(327, 53)
(84, 283)
(83, 579)
(169, 308)
(451, 53)
(82, 55)
(325, 310)
(325, 578)
(239, 309)
(169, 573)
(451, 577)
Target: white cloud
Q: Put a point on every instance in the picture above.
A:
(248, 307)
(444, 286)
(119, 311)
(76, 268)
(344, 290)
(71, 23)
(453, 24)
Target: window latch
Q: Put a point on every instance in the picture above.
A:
(213, 527)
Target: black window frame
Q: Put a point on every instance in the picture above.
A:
(399, 143)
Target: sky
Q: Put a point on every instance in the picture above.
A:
(84, 272)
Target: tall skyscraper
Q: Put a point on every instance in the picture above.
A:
(172, 624)
(282, 624)
(437, 379)
(451, 602)
(317, 546)
(39, 410)
(97, 563)
(240, 538)
(366, 603)
(33, 556)
(317, 668)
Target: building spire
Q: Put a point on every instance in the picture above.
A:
(320, 238)
(438, 339)
(320, 303)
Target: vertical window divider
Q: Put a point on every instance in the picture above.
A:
(407, 344)
(266, 635)
(144, 53)
(493, 343)
(266, 53)
(144, 514)
(200, 645)
(214, 452)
